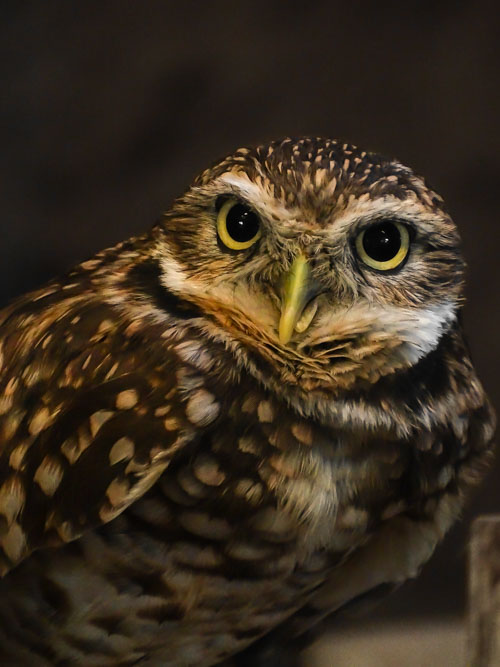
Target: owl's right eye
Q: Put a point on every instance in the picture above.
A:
(238, 226)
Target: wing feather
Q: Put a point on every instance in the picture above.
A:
(90, 416)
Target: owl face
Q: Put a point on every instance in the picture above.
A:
(316, 263)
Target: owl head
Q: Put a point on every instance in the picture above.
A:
(316, 264)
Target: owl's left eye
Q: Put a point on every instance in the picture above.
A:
(238, 226)
(384, 245)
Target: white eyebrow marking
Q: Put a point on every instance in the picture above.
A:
(370, 209)
(243, 184)
(257, 194)
(261, 196)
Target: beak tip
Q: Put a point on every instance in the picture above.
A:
(284, 337)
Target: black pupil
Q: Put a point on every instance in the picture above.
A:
(242, 224)
(382, 242)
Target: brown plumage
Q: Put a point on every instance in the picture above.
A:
(204, 444)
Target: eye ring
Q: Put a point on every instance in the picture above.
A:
(238, 226)
(384, 245)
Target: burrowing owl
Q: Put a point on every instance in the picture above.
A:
(237, 423)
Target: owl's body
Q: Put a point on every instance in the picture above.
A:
(185, 469)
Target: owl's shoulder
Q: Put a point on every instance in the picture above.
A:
(93, 406)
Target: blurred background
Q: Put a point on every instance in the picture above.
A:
(109, 108)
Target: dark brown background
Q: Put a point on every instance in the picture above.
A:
(109, 108)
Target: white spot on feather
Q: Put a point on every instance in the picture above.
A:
(117, 492)
(98, 419)
(123, 449)
(12, 498)
(265, 412)
(127, 399)
(17, 455)
(49, 475)
(202, 408)
(14, 542)
(39, 421)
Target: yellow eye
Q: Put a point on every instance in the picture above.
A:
(238, 226)
(384, 245)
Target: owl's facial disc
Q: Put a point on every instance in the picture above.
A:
(327, 263)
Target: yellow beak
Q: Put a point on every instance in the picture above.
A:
(295, 295)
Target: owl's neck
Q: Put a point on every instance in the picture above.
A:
(423, 396)
(398, 400)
